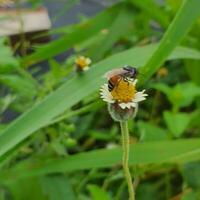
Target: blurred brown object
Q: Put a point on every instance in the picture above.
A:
(15, 21)
(6, 3)
(25, 27)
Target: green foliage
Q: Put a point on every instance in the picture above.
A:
(191, 174)
(153, 10)
(47, 187)
(7, 61)
(181, 95)
(97, 193)
(64, 145)
(158, 152)
(56, 187)
(149, 191)
(120, 26)
(80, 32)
(30, 186)
(177, 123)
(78, 87)
(20, 85)
(151, 132)
(189, 196)
(173, 35)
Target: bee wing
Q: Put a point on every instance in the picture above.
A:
(114, 72)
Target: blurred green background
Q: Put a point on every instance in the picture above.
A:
(57, 140)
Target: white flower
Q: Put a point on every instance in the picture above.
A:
(83, 63)
(134, 98)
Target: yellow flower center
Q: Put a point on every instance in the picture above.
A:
(123, 92)
(82, 62)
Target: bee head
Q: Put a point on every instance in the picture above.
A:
(131, 71)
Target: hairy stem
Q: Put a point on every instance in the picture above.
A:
(125, 158)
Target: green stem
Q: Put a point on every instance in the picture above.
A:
(125, 158)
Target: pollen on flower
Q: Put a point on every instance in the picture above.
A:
(123, 92)
(82, 62)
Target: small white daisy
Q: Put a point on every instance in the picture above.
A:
(82, 63)
(124, 94)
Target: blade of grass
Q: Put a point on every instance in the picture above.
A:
(181, 24)
(73, 91)
(150, 7)
(64, 9)
(80, 32)
(120, 26)
(177, 151)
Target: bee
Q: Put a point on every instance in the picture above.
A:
(126, 73)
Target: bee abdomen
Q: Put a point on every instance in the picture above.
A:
(110, 86)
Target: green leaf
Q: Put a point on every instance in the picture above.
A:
(150, 7)
(97, 193)
(149, 191)
(5, 102)
(174, 5)
(150, 132)
(163, 88)
(7, 61)
(57, 187)
(55, 69)
(72, 92)
(195, 119)
(191, 174)
(181, 24)
(66, 7)
(194, 73)
(180, 95)
(79, 33)
(120, 26)
(189, 91)
(177, 123)
(20, 85)
(26, 189)
(190, 195)
(158, 152)
(2, 194)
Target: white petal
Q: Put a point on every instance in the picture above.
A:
(135, 82)
(122, 105)
(142, 92)
(105, 94)
(88, 61)
(128, 105)
(133, 104)
(139, 99)
(85, 68)
(139, 96)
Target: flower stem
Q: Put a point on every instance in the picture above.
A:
(125, 158)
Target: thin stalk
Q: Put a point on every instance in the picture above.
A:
(120, 191)
(125, 158)
(21, 30)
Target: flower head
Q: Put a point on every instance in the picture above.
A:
(123, 99)
(162, 72)
(104, 31)
(82, 63)
(124, 94)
